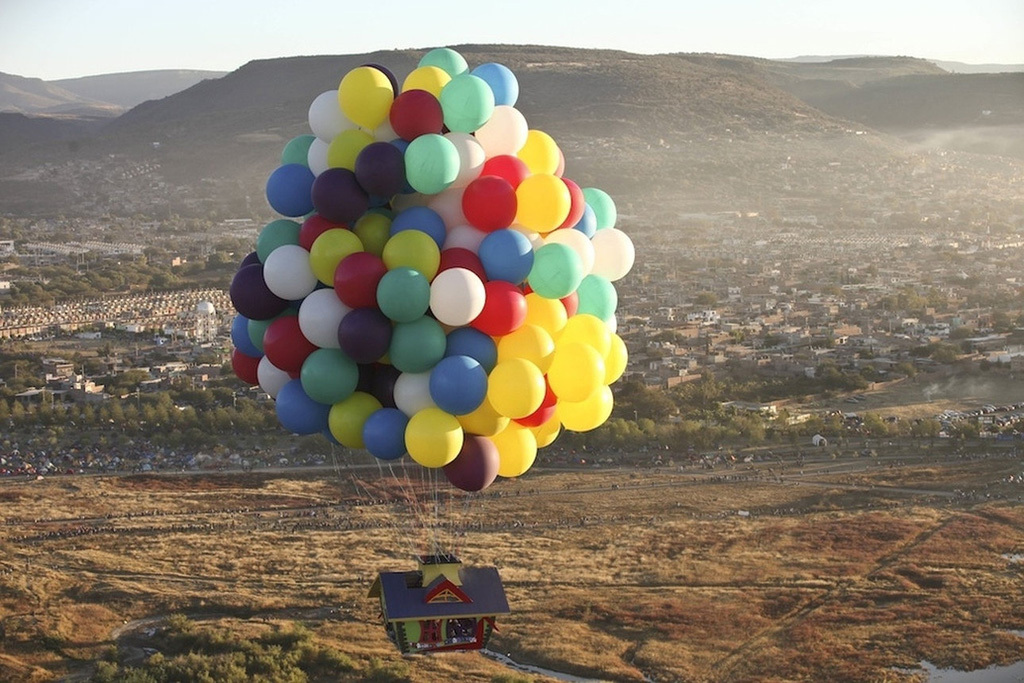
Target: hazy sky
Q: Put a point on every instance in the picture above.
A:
(54, 39)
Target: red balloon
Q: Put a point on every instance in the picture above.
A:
(245, 367)
(415, 113)
(513, 169)
(356, 279)
(571, 304)
(577, 206)
(544, 412)
(489, 203)
(457, 257)
(504, 309)
(285, 345)
(313, 227)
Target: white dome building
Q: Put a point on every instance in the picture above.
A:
(207, 323)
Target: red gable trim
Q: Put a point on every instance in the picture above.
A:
(446, 585)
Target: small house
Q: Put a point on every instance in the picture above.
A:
(442, 606)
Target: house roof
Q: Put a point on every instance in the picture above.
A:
(405, 598)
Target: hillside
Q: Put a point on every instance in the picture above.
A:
(665, 134)
(39, 97)
(130, 89)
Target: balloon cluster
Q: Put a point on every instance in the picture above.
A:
(444, 291)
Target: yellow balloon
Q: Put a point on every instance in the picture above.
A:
(374, 231)
(528, 341)
(543, 202)
(616, 359)
(365, 96)
(540, 153)
(412, 249)
(547, 432)
(429, 78)
(346, 418)
(517, 449)
(329, 249)
(515, 387)
(346, 146)
(546, 313)
(433, 437)
(587, 414)
(576, 371)
(586, 329)
(484, 421)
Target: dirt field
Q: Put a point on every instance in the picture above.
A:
(832, 569)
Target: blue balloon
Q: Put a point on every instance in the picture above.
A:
(502, 81)
(240, 337)
(288, 190)
(587, 224)
(423, 219)
(384, 433)
(469, 341)
(458, 384)
(506, 254)
(297, 412)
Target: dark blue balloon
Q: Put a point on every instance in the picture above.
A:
(288, 190)
(338, 196)
(506, 254)
(297, 412)
(469, 341)
(458, 384)
(502, 81)
(250, 258)
(384, 433)
(251, 297)
(380, 169)
(240, 337)
(587, 224)
(420, 218)
(365, 334)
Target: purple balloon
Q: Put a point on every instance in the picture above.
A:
(476, 465)
(251, 297)
(250, 258)
(380, 169)
(364, 334)
(338, 197)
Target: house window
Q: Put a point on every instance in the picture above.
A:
(461, 630)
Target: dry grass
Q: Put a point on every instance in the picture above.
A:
(612, 575)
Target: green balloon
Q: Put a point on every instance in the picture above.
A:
(275, 234)
(329, 376)
(557, 271)
(403, 295)
(603, 206)
(446, 59)
(297, 150)
(597, 296)
(431, 163)
(417, 346)
(467, 102)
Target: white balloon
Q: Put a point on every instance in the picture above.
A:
(412, 392)
(578, 242)
(504, 133)
(448, 205)
(464, 237)
(471, 158)
(271, 377)
(613, 253)
(384, 132)
(456, 296)
(288, 274)
(325, 117)
(316, 157)
(319, 316)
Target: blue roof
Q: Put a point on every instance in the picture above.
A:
(481, 584)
